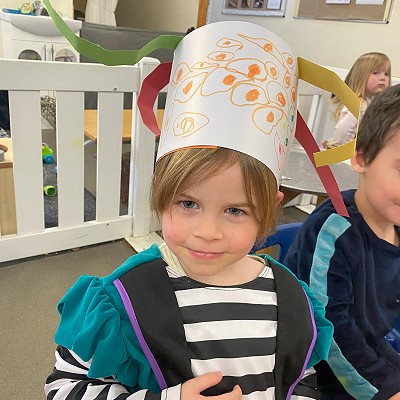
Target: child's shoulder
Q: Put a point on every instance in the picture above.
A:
(326, 225)
(94, 295)
(93, 308)
(89, 287)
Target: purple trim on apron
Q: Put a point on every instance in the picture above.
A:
(314, 339)
(135, 325)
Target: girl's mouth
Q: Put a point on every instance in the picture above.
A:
(202, 255)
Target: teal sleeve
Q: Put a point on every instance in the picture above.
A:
(95, 326)
(323, 326)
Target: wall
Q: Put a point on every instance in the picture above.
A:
(171, 15)
(331, 43)
(64, 7)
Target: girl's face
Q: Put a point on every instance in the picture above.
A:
(377, 82)
(211, 229)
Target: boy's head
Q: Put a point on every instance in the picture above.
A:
(178, 171)
(377, 161)
(380, 124)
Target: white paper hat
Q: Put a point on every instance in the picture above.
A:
(233, 85)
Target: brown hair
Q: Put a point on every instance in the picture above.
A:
(176, 172)
(358, 75)
(380, 123)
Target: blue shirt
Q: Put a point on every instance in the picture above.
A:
(356, 275)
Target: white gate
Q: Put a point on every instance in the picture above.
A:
(68, 82)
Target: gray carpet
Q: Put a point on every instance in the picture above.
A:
(51, 202)
(29, 292)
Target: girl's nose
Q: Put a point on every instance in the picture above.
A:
(208, 228)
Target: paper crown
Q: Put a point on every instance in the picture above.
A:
(232, 85)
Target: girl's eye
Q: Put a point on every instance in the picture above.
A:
(188, 204)
(235, 211)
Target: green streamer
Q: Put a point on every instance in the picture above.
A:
(110, 57)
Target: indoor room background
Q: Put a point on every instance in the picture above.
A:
(331, 43)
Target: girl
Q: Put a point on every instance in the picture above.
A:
(201, 302)
(369, 75)
(197, 316)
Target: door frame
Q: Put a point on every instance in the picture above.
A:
(202, 13)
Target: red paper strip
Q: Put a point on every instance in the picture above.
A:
(306, 139)
(149, 91)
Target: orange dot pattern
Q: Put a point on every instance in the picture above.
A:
(266, 86)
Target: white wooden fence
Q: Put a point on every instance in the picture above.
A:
(26, 81)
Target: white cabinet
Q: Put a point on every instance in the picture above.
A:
(46, 51)
(36, 38)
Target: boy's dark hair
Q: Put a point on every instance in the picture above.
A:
(379, 124)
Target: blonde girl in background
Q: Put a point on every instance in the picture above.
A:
(369, 75)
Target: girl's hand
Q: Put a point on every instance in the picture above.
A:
(191, 389)
(395, 396)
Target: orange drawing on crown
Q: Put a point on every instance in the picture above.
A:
(204, 65)
(188, 87)
(229, 43)
(270, 117)
(220, 56)
(180, 72)
(254, 70)
(289, 59)
(265, 86)
(286, 80)
(266, 118)
(281, 99)
(187, 123)
(252, 95)
(268, 47)
(228, 80)
(273, 70)
(248, 94)
(221, 80)
(294, 95)
(251, 68)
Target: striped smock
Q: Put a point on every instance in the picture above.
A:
(231, 329)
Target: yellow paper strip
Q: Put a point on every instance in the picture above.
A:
(330, 81)
(110, 57)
